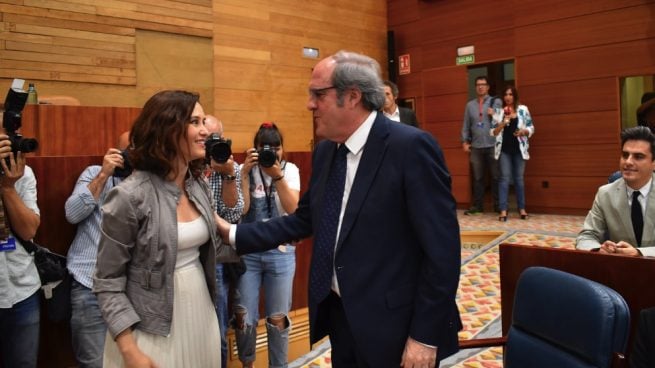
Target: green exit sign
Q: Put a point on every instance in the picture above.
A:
(466, 59)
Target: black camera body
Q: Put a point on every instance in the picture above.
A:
(218, 148)
(12, 121)
(126, 170)
(267, 156)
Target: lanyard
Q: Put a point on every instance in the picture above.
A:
(268, 190)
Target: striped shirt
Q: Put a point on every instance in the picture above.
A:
(83, 210)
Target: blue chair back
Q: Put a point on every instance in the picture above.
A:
(565, 321)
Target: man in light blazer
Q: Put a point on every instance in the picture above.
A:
(396, 256)
(608, 227)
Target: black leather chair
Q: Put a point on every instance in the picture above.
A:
(561, 320)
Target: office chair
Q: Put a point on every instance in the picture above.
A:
(561, 320)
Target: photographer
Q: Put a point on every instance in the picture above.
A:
(271, 188)
(225, 183)
(83, 209)
(19, 297)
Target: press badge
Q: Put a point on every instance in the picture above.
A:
(7, 245)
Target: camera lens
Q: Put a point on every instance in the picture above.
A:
(126, 170)
(26, 145)
(218, 149)
(267, 156)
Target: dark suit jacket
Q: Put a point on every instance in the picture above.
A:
(398, 255)
(408, 116)
(643, 349)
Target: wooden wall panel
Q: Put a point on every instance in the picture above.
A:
(461, 189)
(533, 12)
(490, 46)
(266, 37)
(592, 128)
(445, 108)
(600, 28)
(76, 130)
(611, 60)
(565, 194)
(443, 132)
(576, 161)
(568, 59)
(572, 96)
(86, 28)
(457, 160)
(444, 81)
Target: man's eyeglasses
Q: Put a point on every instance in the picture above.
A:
(481, 84)
(317, 93)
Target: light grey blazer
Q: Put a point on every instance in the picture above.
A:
(609, 218)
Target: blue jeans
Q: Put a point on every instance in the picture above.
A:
(88, 328)
(511, 166)
(274, 270)
(482, 160)
(222, 288)
(19, 336)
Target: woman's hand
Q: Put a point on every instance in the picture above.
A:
(132, 355)
(138, 359)
(520, 132)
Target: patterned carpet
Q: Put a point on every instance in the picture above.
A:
(478, 296)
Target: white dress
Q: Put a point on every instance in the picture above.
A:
(194, 340)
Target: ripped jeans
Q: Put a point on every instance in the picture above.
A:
(273, 270)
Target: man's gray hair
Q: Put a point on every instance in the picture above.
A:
(359, 71)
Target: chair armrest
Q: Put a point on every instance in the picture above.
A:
(482, 343)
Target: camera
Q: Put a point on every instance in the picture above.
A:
(218, 148)
(12, 121)
(126, 170)
(267, 156)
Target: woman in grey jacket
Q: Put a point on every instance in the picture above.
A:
(155, 271)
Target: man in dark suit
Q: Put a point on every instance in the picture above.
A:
(393, 265)
(643, 349)
(392, 110)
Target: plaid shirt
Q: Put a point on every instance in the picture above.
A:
(230, 214)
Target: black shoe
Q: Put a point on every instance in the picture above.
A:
(473, 211)
(524, 215)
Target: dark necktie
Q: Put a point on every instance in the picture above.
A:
(637, 217)
(325, 236)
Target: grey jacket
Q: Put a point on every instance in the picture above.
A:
(138, 248)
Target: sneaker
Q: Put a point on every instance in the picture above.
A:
(472, 211)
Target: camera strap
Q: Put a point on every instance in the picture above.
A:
(268, 189)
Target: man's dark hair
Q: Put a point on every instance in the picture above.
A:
(647, 96)
(639, 133)
(515, 94)
(482, 77)
(393, 86)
